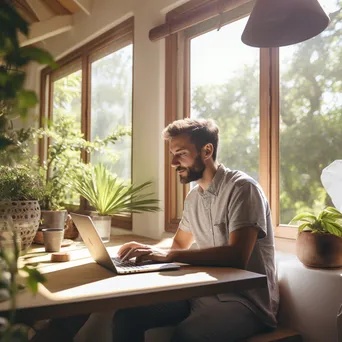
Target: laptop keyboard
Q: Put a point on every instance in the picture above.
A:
(129, 265)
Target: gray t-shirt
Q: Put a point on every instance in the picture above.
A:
(234, 201)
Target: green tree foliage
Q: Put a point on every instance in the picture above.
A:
(111, 106)
(235, 108)
(311, 115)
(67, 96)
(311, 118)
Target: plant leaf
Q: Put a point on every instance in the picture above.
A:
(34, 277)
(306, 227)
(27, 99)
(39, 55)
(103, 191)
(332, 213)
(333, 228)
(307, 217)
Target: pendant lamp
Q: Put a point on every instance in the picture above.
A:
(274, 23)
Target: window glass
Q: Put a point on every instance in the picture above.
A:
(225, 87)
(67, 117)
(310, 116)
(111, 107)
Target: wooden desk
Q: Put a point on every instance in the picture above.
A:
(81, 286)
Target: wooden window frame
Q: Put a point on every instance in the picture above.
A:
(177, 52)
(123, 33)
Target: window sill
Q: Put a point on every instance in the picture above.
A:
(286, 232)
(285, 245)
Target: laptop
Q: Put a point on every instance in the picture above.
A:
(99, 252)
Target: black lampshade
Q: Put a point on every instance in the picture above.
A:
(274, 23)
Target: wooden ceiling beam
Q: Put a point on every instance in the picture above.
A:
(56, 7)
(84, 5)
(25, 10)
(69, 5)
(41, 10)
(46, 29)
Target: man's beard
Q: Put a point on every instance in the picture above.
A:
(194, 172)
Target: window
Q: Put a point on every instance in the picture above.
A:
(92, 89)
(111, 105)
(310, 116)
(66, 90)
(220, 64)
(279, 110)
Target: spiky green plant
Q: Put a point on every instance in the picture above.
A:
(109, 196)
(327, 221)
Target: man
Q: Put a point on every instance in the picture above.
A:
(228, 217)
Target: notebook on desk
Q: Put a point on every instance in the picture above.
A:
(99, 252)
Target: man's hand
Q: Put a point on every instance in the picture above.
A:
(126, 248)
(143, 253)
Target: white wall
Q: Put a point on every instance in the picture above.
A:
(149, 80)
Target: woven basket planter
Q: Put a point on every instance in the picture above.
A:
(25, 216)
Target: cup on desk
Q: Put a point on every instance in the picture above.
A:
(53, 238)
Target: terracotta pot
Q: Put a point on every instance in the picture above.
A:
(70, 231)
(319, 250)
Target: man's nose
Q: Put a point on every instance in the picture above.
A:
(175, 161)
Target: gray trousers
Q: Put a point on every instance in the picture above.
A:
(198, 320)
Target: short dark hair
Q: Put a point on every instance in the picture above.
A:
(200, 131)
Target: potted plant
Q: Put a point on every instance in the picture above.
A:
(20, 192)
(15, 100)
(319, 242)
(63, 158)
(110, 196)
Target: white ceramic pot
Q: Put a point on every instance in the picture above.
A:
(103, 226)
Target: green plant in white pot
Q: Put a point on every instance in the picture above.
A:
(319, 242)
(109, 196)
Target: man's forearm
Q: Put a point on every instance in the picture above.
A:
(215, 256)
(167, 244)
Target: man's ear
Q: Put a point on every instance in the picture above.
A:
(208, 150)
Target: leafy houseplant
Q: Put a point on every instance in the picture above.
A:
(63, 161)
(319, 242)
(9, 272)
(64, 157)
(109, 196)
(14, 99)
(20, 191)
